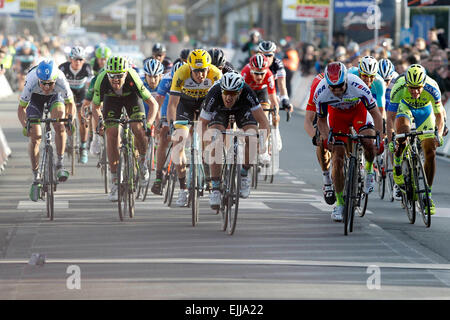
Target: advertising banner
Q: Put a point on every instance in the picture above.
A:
(302, 10)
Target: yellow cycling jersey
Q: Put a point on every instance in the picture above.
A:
(184, 86)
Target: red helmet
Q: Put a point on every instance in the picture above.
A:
(336, 73)
(259, 62)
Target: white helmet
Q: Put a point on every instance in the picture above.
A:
(77, 52)
(232, 81)
(368, 65)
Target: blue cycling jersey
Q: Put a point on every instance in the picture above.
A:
(164, 90)
(152, 91)
(378, 88)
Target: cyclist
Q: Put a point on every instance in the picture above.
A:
(258, 76)
(102, 53)
(162, 131)
(119, 86)
(190, 85)
(25, 58)
(347, 100)
(386, 70)
(159, 51)
(45, 84)
(153, 72)
(322, 153)
(232, 96)
(417, 97)
(218, 59)
(276, 66)
(79, 74)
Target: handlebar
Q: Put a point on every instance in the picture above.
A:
(288, 114)
(415, 133)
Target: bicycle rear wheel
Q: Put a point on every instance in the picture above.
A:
(104, 166)
(49, 184)
(193, 194)
(172, 183)
(380, 177)
(423, 192)
(226, 182)
(122, 184)
(133, 183)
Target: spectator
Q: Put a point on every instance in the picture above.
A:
(308, 60)
(437, 35)
(291, 61)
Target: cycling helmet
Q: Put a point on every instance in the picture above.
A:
(158, 48)
(77, 53)
(258, 62)
(199, 59)
(368, 65)
(184, 54)
(177, 66)
(102, 52)
(232, 81)
(153, 67)
(415, 75)
(47, 70)
(335, 73)
(116, 64)
(217, 57)
(386, 69)
(267, 47)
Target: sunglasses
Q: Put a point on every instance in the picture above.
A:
(78, 59)
(47, 83)
(269, 55)
(258, 73)
(414, 88)
(230, 93)
(116, 75)
(200, 70)
(338, 86)
(367, 76)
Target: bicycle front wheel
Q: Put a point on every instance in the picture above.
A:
(104, 166)
(408, 195)
(350, 186)
(49, 184)
(149, 159)
(193, 193)
(233, 199)
(122, 184)
(423, 192)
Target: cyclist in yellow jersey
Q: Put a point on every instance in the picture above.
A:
(190, 84)
(418, 98)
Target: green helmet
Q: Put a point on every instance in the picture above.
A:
(116, 64)
(102, 52)
(415, 75)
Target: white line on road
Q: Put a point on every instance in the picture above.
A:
(424, 266)
(41, 205)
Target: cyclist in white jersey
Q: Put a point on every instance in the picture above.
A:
(347, 101)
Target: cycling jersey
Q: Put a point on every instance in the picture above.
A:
(277, 68)
(268, 81)
(32, 88)
(387, 99)
(430, 93)
(191, 92)
(378, 87)
(164, 90)
(311, 106)
(356, 92)
(90, 91)
(95, 67)
(214, 110)
(77, 79)
(25, 59)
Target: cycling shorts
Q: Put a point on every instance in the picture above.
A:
(263, 95)
(35, 108)
(112, 108)
(339, 120)
(187, 111)
(243, 117)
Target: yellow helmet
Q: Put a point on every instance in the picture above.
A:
(199, 59)
(415, 75)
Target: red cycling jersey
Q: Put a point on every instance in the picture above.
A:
(311, 106)
(268, 82)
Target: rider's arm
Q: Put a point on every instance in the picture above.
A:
(22, 115)
(308, 123)
(172, 107)
(262, 120)
(152, 110)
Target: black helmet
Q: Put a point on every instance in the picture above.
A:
(184, 54)
(158, 48)
(217, 57)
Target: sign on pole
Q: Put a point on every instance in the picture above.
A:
(304, 10)
(9, 6)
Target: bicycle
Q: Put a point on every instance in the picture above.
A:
(102, 162)
(169, 178)
(355, 197)
(149, 159)
(47, 172)
(73, 146)
(231, 179)
(270, 172)
(196, 174)
(128, 168)
(388, 168)
(416, 187)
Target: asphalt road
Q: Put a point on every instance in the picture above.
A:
(285, 247)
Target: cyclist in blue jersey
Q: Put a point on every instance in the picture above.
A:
(153, 72)
(162, 130)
